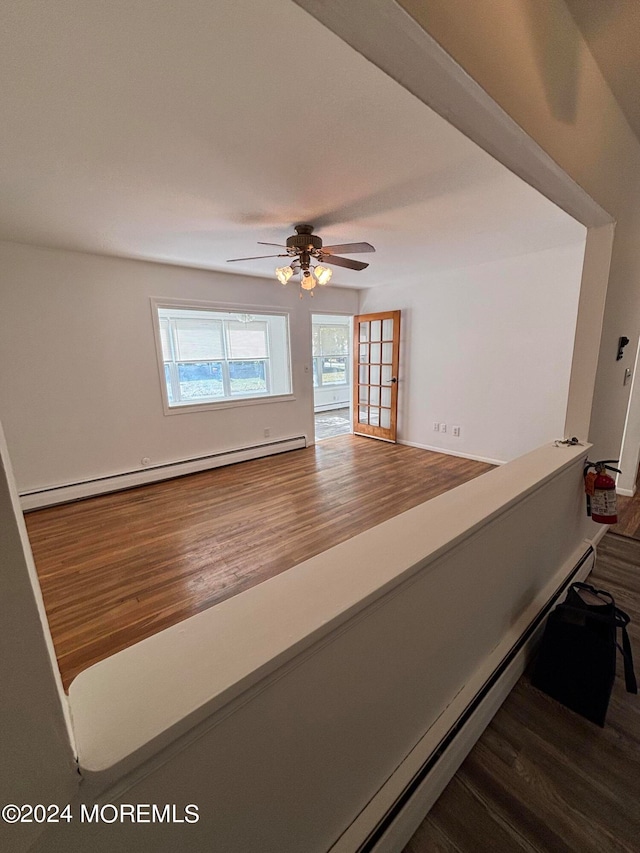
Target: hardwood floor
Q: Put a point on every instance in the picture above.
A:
(628, 516)
(117, 568)
(542, 778)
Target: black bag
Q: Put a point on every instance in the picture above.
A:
(576, 663)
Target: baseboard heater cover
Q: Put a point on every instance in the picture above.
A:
(129, 479)
(383, 838)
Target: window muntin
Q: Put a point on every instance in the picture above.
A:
(330, 343)
(212, 356)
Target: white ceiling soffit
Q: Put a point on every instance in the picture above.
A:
(186, 132)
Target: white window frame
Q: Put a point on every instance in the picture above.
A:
(319, 358)
(226, 402)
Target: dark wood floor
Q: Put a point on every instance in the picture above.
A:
(117, 568)
(542, 778)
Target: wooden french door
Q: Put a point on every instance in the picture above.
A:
(376, 353)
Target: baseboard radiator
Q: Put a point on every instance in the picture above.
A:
(129, 479)
(401, 820)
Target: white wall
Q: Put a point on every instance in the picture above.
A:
(489, 349)
(82, 398)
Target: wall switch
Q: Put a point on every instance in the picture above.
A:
(627, 376)
(455, 430)
(436, 426)
(443, 427)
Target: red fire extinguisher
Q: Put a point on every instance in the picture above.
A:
(601, 491)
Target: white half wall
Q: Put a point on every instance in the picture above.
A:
(82, 399)
(38, 764)
(310, 700)
(488, 349)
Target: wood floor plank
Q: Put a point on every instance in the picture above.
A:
(547, 779)
(119, 567)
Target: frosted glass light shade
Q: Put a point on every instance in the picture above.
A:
(323, 274)
(283, 274)
(307, 282)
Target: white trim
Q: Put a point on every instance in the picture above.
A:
(329, 407)
(628, 493)
(416, 809)
(452, 452)
(227, 307)
(128, 479)
(227, 404)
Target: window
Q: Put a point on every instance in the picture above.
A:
(330, 355)
(214, 356)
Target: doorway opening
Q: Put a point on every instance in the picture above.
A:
(332, 355)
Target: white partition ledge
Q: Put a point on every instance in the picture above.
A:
(133, 704)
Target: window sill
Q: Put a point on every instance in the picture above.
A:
(227, 404)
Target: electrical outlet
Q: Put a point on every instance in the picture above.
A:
(267, 433)
(443, 427)
(436, 426)
(455, 430)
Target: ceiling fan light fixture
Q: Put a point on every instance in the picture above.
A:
(283, 274)
(307, 281)
(323, 274)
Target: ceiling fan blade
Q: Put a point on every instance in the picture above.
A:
(255, 258)
(279, 245)
(352, 248)
(345, 262)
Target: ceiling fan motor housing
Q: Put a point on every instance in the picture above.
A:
(304, 240)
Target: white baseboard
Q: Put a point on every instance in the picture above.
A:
(453, 452)
(393, 815)
(628, 493)
(128, 479)
(328, 407)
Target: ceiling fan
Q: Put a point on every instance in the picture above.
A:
(303, 248)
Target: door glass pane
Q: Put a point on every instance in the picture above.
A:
(364, 352)
(386, 396)
(374, 417)
(363, 394)
(364, 375)
(374, 397)
(386, 374)
(387, 329)
(363, 415)
(375, 353)
(387, 353)
(364, 331)
(385, 418)
(375, 374)
(376, 330)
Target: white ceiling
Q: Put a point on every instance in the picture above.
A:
(187, 131)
